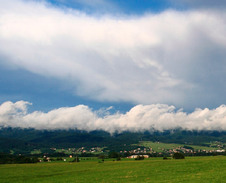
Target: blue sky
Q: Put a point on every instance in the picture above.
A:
(117, 6)
(121, 53)
(136, 7)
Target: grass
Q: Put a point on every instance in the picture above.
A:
(192, 169)
(37, 151)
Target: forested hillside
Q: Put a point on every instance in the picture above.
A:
(25, 140)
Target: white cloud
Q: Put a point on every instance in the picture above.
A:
(140, 118)
(154, 58)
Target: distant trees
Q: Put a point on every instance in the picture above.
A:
(115, 155)
(59, 159)
(12, 159)
(101, 156)
(76, 159)
(178, 156)
(139, 157)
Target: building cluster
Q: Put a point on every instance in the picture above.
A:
(217, 148)
(79, 150)
(162, 151)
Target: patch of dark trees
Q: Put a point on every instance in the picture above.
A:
(13, 159)
(178, 156)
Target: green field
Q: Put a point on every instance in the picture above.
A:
(159, 146)
(192, 169)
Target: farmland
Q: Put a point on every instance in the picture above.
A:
(191, 169)
(143, 147)
(160, 147)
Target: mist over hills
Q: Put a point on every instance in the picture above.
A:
(140, 118)
(22, 131)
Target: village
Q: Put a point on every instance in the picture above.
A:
(145, 151)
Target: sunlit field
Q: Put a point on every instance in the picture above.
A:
(191, 169)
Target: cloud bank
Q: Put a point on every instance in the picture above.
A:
(172, 57)
(157, 117)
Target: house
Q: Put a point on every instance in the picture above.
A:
(135, 156)
(132, 156)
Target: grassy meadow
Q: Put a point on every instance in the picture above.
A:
(191, 169)
(159, 146)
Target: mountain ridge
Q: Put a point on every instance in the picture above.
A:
(21, 140)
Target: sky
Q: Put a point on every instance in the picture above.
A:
(113, 65)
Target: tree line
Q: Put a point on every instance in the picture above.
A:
(16, 159)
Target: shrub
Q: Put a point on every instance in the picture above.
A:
(113, 155)
(139, 158)
(59, 159)
(76, 159)
(101, 156)
(118, 158)
(178, 156)
(101, 161)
